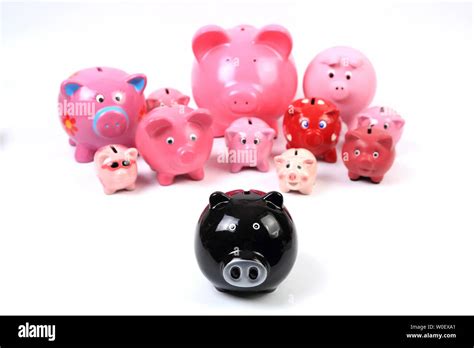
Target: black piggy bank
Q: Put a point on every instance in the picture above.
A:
(245, 241)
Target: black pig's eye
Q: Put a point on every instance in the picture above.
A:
(114, 165)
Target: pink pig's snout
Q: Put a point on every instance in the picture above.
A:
(292, 176)
(186, 155)
(242, 101)
(339, 90)
(110, 122)
(313, 138)
(366, 162)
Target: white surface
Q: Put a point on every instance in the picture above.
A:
(402, 247)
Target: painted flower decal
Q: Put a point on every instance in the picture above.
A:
(69, 124)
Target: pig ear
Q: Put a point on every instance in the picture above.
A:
(277, 38)
(207, 38)
(152, 103)
(202, 117)
(230, 133)
(279, 160)
(183, 100)
(309, 161)
(131, 153)
(329, 59)
(69, 87)
(386, 141)
(351, 136)
(100, 157)
(218, 198)
(269, 133)
(155, 127)
(138, 81)
(363, 121)
(274, 198)
(296, 110)
(356, 62)
(399, 123)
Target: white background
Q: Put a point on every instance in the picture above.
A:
(402, 247)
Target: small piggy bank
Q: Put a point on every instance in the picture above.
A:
(344, 76)
(175, 140)
(383, 118)
(116, 167)
(166, 97)
(245, 241)
(243, 71)
(250, 142)
(313, 124)
(101, 106)
(368, 152)
(296, 169)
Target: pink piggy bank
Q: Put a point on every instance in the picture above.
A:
(116, 167)
(243, 71)
(250, 142)
(345, 77)
(100, 106)
(383, 118)
(175, 140)
(166, 97)
(296, 169)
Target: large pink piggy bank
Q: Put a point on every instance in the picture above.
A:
(166, 97)
(383, 118)
(175, 140)
(243, 71)
(345, 77)
(100, 106)
(296, 169)
(250, 142)
(116, 167)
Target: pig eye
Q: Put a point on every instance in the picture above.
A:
(357, 152)
(386, 125)
(375, 154)
(114, 165)
(118, 97)
(304, 124)
(256, 226)
(100, 98)
(287, 165)
(322, 124)
(125, 163)
(243, 141)
(256, 141)
(348, 75)
(170, 140)
(298, 166)
(331, 73)
(193, 137)
(232, 227)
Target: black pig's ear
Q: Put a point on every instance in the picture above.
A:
(275, 198)
(218, 198)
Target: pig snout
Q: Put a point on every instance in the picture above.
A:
(111, 122)
(292, 176)
(242, 101)
(366, 162)
(313, 138)
(186, 156)
(339, 90)
(244, 273)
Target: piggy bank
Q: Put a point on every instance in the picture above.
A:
(243, 71)
(343, 76)
(245, 241)
(296, 169)
(175, 140)
(313, 124)
(101, 106)
(166, 97)
(383, 118)
(368, 152)
(116, 167)
(250, 142)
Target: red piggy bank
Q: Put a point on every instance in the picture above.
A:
(368, 152)
(313, 124)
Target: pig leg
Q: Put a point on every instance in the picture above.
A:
(71, 142)
(307, 190)
(83, 154)
(130, 187)
(164, 179)
(376, 179)
(354, 176)
(263, 166)
(236, 167)
(108, 190)
(197, 174)
(331, 156)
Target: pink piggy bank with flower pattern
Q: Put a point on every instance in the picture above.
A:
(101, 106)
(344, 76)
(243, 71)
(166, 97)
(116, 167)
(296, 169)
(250, 142)
(174, 141)
(381, 117)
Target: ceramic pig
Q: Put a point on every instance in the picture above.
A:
(116, 167)
(175, 140)
(296, 169)
(313, 124)
(101, 106)
(243, 71)
(166, 97)
(250, 142)
(383, 118)
(368, 152)
(343, 76)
